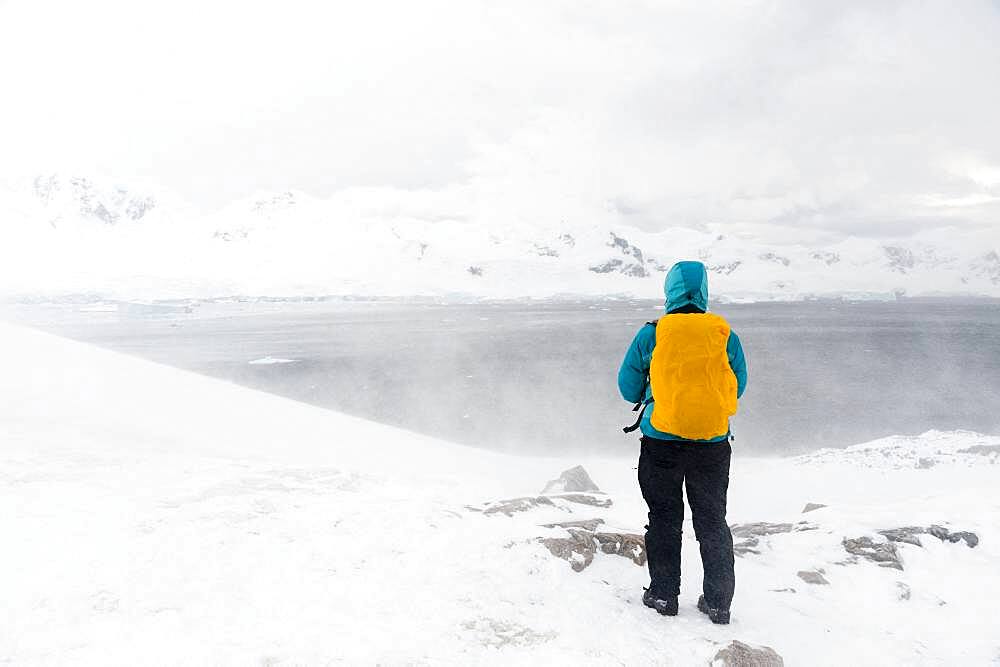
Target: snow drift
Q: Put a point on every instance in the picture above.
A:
(154, 516)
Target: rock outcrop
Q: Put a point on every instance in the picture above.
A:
(511, 506)
(738, 654)
(107, 205)
(634, 266)
(886, 554)
(583, 543)
(586, 524)
(746, 536)
(813, 577)
(574, 480)
(910, 535)
(984, 450)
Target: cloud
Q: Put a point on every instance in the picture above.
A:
(856, 117)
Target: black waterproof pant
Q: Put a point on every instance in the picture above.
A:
(664, 465)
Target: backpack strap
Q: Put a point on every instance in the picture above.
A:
(641, 406)
(638, 419)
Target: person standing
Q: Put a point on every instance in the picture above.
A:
(687, 371)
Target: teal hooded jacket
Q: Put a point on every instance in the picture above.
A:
(686, 288)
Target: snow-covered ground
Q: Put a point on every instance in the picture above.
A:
(153, 516)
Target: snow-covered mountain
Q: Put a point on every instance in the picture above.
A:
(67, 200)
(67, 234)
(158, 516)
(81, 198)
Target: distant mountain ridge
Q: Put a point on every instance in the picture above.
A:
(84, 234)
(80, 196)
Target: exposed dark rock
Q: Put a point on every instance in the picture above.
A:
(626, 247)
(635, 268)
(619, 266)
(582, 544)
(782, 590)
(475, 270)
(943, 534)
(545, 251)
(585, 499)
(830, 258)
(760, 528)
(608, 267)
(910, 535)
(772, 257)
(46, 187)
(812, 506)
(906, 535)
(578, 549)
(748, 534)
(103, 214)
(497, 633)
(724, 269)
(573, 480)
(985, 450)
(586, 524)
(812, 577)
(629, 545)
(902, 591)
(108, 206)
(137, 208)
(511, 506)
(231, 235)
(883, 553)
(924, 463)
(514, 505)
(746, 546)
(900, 259)
(279, 202)
(738, 654)
(988, 266)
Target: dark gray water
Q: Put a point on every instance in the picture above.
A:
(541, 377)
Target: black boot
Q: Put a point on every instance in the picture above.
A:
(666, 606)
(717, 616)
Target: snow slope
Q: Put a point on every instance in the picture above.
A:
(65, 234)
(153, 516)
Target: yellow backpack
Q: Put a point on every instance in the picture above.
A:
(694, 388)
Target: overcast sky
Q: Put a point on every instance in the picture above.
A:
(867, 117)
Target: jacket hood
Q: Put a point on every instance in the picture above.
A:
(686, 285)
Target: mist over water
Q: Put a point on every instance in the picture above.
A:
(540, 378)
